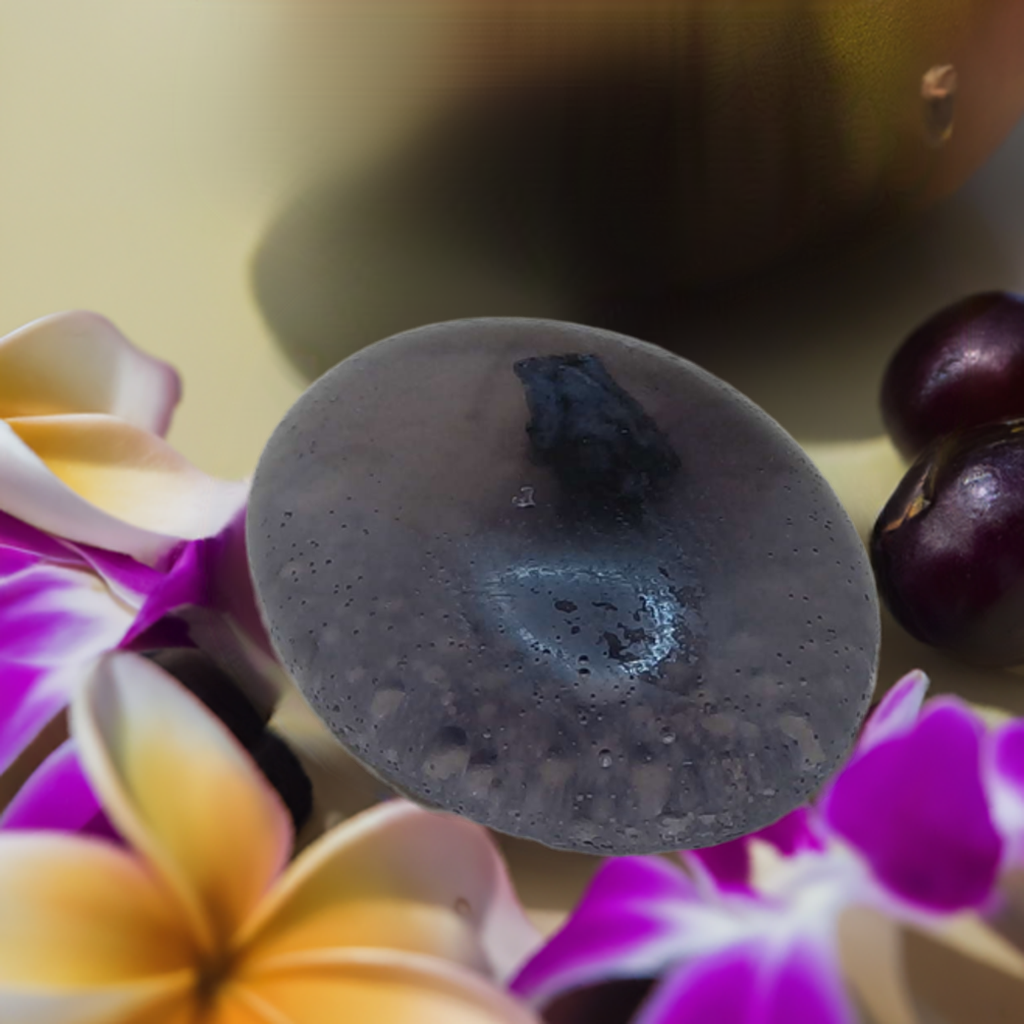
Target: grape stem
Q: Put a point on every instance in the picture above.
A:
(862, 473)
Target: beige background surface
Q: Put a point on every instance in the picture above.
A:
(146, 145)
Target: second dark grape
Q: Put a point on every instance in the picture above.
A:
(948, 548)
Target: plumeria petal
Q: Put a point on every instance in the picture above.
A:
(30, 492)
(80, 362)
(81, 913)
(166, 1000)
(627, 925)
(57, 796)
(402, 877)
(897, 711)
(131, 475)
(752, 983)
(381, 986)
(55, 621)
(182, 791)
(916, 808)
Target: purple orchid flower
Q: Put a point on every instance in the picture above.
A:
(108, 540)
(794, 924)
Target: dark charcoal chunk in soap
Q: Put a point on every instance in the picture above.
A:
(669, 646)
(594, 436)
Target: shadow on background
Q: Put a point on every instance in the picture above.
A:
(501, 225)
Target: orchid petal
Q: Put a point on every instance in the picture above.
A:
(182, 791)
(80, 362)
(626, 926)
(897, 711)
(57, 796)
(378, 985)
(209, 589)
(1004, 774)
(398, 876)
(752, 983)
(55, 622)
(129, 580)
(18, 537)
(128, 473)
(22, 545)
(914, 806)
(729, 864)
(80, 913)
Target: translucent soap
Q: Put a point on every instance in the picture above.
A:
(564, 583)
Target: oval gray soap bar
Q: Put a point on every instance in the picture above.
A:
(564, 583)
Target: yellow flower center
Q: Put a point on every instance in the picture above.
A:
(211, 974)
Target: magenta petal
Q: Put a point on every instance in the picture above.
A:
(1003, 754)
(915, 806)
(29, 700)
(1007, 755)
(58, 797)
(617, 931)
(53, 622)
(232, 588)
(897, 711)
(753, 983)
(729, 864)
(185, 583)
(797, 831)
(208, 589)
(16, 536)
(131, 580)
(209, 573)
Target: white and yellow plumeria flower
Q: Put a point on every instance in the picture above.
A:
(401, 914)
(83, 414)
(106, 532)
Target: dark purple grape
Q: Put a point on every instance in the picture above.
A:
(609, 1002)
(962, 367)
(204, 678)
(564, 583)
(948, 548)
(284, 771)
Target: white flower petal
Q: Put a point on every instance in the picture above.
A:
(80, 362)
(98, 481)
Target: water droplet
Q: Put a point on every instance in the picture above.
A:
(524, 499)
(668, 737)
(605, 759)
